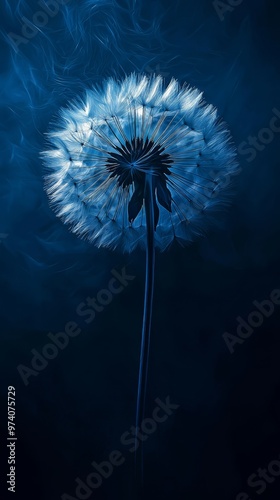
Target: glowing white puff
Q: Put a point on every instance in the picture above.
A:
(83, 181)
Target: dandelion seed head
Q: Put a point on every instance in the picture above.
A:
(105, 144)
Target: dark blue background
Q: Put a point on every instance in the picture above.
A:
(75, 411)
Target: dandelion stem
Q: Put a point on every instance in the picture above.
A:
(147, 319)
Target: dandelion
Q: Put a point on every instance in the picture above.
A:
(139, 163)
